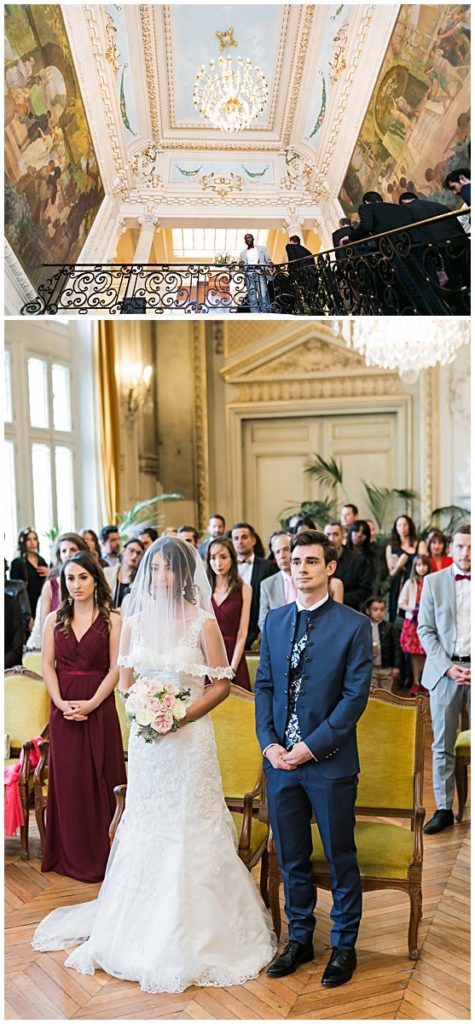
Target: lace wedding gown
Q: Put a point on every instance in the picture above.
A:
(177, 906)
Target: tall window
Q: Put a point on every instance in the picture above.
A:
(51, 446)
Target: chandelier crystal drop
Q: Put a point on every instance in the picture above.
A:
(230, 96)
(406, 344)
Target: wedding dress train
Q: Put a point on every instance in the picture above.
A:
(177, 906)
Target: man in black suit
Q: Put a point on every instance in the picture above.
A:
(422, 209)
(342, 236)
(377, 216)
(302, 271)
(253, 570)
(353, 570)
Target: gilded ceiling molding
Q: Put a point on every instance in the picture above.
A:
(277, 203)
(299, 66)
(344, 99)
(201, 424)
(150, 70)
(104, 86)
(216, 145)
(277, 74)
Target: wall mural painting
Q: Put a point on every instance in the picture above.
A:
(417, 126)
(53, 187)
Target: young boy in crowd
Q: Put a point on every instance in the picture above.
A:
(387, 655)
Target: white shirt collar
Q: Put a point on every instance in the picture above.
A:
(247, 561)
(301, 607)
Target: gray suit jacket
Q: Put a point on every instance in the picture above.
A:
(272, 595)
(436, 624)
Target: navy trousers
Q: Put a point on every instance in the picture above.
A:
(292, 797)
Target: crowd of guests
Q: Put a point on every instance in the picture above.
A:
(72, 611)
(384, 582)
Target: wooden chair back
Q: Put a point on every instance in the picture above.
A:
(26, 705)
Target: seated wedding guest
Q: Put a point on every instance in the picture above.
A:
(190, 534)
(30, 567)
(359, 542)
(67, 545)
(216, 527)
(252, 569)
(92, 541)
(13, 632)
(120, 577)
(387, 657)
(437, 544)
(400, 554)
(231, 601)
(110, 541)
(169, 531)
(351, 570)
(148, 536)
(409, 603)
(86, 760)
(303, 523)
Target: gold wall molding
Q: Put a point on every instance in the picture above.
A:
(201, 424)
(104, 81)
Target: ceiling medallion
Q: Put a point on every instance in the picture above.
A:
(416, 347)
(230, 96)
(226, 39)
(222, 184)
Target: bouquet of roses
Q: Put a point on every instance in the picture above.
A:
(157, 708)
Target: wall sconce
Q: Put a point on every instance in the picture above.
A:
(137, 390)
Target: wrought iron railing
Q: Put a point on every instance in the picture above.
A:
(392, 273)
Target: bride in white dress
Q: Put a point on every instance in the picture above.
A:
(177, 906)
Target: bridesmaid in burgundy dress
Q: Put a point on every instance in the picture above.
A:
(231, 602)
(80, 646)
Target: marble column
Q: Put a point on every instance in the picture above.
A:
(149, 223)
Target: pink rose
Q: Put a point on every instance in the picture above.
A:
(168, 701)
(163, 723)
(171, 689)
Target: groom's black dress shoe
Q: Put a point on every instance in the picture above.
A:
(441, 820)
(295, 953)
(339, 968)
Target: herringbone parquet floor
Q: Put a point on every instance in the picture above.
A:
(387, 985)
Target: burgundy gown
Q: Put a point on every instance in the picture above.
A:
(86, 761)
(228, 615)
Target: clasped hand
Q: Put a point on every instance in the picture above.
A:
(76, 710)
(460, 674)
(279, 757)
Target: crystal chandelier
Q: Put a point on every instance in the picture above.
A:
(230, 96)
(406, 344)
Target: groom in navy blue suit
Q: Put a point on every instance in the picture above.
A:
(311, 688)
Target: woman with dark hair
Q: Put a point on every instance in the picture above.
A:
(178, 907)
(30, 567)
(400, 554)
(67, 545)
(301, 524)
(358, 541)
(437, 544)
(92, 541)
(231, 600)
(120, 577)
(86, 760)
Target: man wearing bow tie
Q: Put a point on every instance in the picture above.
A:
(444, 632)
(311, 688)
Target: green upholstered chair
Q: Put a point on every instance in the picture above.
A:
(252, 661)
(462, 761)
(26, 711)
(240, 762)
(391, 751)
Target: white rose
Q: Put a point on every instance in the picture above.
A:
(140, 689)
(179, 709)
(134, 703)
(145, 716)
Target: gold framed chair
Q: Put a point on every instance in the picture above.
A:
(32, 661)
(462, 761)
(26, 706)
(240, 762)
(391, 750)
